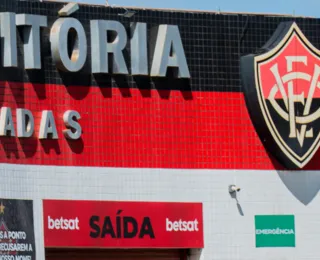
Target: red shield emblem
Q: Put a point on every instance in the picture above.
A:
(282, 91)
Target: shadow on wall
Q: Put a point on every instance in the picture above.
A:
(194, 254)
(234, 196)
(304, 185)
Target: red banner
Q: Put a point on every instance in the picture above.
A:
(113, 224)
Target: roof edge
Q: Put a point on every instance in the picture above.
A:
(185, 10)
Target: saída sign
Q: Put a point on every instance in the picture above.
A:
(111, 224)
(282, 91)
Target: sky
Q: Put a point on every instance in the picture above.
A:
(296, 7)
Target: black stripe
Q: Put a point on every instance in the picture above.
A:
(211, 43)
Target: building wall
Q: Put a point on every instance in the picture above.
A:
(229, 231)
(162, 140)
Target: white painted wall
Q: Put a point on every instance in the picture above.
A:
(229, 228)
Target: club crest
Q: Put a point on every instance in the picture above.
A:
(282, 91)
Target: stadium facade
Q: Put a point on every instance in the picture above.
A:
(157, 134)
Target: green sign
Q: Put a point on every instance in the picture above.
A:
(275, 231)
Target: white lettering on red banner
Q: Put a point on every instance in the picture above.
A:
(181, 225)
(65, 224)
(112, 224)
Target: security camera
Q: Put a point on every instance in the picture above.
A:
(234, 188)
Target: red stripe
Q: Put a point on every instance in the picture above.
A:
(137, 128)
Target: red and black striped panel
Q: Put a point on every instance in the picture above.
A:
(201, 123)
